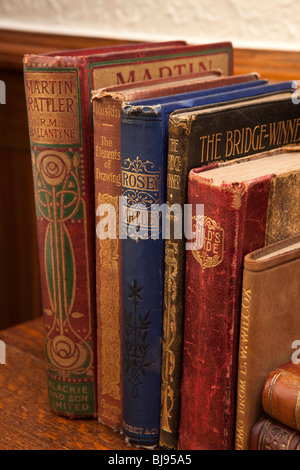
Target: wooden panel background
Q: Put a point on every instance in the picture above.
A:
(19, 268)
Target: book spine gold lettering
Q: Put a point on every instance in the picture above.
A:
(241, 442)
(107, 174)
(52, 100)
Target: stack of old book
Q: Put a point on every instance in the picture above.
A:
(156, 171)
(269, 335)
(239, 316)
(279, 427)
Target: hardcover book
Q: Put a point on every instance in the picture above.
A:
(144, 132)
(269, 325)
(196, 138)
(107, 175)
(58, 89)
(248, 203)
(281, 391)
(107, 104)
(269, 434)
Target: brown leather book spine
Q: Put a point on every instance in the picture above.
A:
(281, 395)
(107, 174)
(268, 434)
(269, 300)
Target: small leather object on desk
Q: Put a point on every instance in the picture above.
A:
(27, 422)
(281, 394)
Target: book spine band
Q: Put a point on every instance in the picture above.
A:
(281, 397)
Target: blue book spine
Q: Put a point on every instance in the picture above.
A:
(143, 188)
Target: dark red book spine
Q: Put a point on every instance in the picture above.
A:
(61, 148)
(269, 434)
(232, 225)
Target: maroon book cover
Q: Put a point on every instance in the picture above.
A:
(269, 434)
(58, 90)
(241, 207)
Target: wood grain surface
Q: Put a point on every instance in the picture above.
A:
(26, 421)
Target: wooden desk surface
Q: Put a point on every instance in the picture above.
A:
(26, 421)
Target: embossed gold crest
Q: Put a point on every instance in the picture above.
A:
(211, 236)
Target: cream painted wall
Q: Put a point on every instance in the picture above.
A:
(263, 24)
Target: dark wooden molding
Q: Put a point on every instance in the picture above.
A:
(14, 44)
(271, 64)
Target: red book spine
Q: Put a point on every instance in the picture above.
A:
(269, 434)
(61, 149)
(233, 224)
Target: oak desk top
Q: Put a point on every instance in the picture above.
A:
(26, 421)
